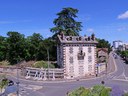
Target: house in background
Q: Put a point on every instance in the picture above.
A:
(102, 59)
(116, 44)
(102, 55)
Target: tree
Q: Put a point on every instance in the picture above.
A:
(66, 22)
(102, 43)
(15, 52)
(34, 50)
(3, 48)
(124, 55)
(50, 45)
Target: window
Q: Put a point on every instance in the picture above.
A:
(71, 60)
(89, 49)
(89, 59)
(71, 50)
(89, 67)
(71, 69)
(81, 70)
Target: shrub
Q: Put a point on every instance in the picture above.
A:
(42, 64)
(4, 63)
(3, 82)
(98, 90)
(125, 94)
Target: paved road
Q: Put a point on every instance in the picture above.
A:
(117, 79)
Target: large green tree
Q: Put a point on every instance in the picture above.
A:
(66, 22)
(15, 52)
(33, 46)
(15, 48)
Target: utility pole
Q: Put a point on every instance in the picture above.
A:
(17, 81)
(47, 49)
(48, 61)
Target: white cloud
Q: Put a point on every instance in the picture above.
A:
(90, 30)
(123, 16)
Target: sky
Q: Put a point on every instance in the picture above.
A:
(107, 19)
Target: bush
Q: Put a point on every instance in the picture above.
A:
(3, 82)
(4, 63)
(42, 64)
(79, 92)
(98, 90)
(125, 94)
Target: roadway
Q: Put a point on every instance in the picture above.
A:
(116, 77)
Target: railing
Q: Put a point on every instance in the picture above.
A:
(43, 74)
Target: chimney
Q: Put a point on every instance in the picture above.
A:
(93, 37)
(62, 35)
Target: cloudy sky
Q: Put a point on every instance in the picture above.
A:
(107, 19)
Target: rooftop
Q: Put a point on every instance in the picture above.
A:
(77, 39)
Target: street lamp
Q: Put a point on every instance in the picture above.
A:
(18, 77)
(48, 61)
(17, 81)
(47, 49)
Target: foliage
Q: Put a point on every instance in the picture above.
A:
(3, 48)
(50, 45)
(98, 90)
(66, 22)
(125, 94)
(124, 54)
(102, 43)
(16, 48)
(4, 63)
(42, 64)
(79, 92)
(15, 44)
(33, 46)
(3, 82)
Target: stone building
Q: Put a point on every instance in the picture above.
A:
(102, 59)
(102, 54)
(77, 55)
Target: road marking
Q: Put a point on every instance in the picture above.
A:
(121, 80)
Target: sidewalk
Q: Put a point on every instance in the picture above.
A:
(111, 64)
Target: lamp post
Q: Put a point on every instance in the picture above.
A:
(17, 81)
(48, 61)
(47, 49)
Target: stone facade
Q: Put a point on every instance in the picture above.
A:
(77, 55)
(102, 55)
